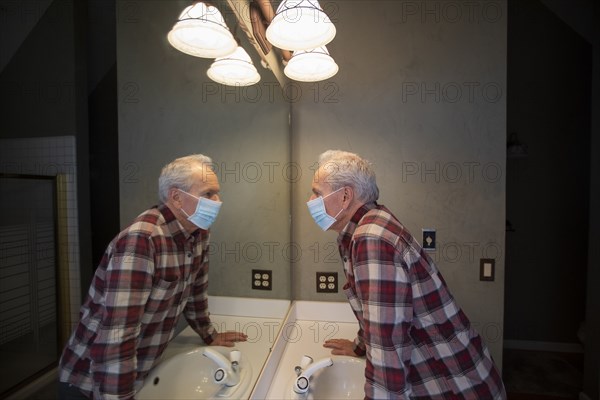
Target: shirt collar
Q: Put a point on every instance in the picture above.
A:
(180, 234)
(345, 235)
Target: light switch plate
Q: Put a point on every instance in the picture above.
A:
(487, 269)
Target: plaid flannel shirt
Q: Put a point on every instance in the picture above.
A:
(151, 273)
(418, 342)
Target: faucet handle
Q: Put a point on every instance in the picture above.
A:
(306, 361)
(235, 356)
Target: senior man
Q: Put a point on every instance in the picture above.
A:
(418, 343)
(152, 272)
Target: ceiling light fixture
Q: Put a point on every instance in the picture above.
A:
(201, 31)
(311, 65)
(300, 25)
(235, 69)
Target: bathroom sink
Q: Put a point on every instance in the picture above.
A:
(345, 379)
(190, 376)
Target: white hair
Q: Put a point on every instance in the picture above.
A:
(178, 174)
(349, 169)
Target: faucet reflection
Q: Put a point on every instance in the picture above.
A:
(214, 372)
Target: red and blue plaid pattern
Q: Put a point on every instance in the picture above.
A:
(419, 344)
(151, 273)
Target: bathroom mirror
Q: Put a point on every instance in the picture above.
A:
(422, 98)
(168, 108)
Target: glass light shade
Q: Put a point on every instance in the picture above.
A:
(235, 69)
(300, 25)
(201, 31)
(311, 65)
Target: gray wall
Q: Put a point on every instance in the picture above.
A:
(423, 97)
(168, 108)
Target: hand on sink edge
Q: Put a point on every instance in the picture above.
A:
(228, 339)
(341, 347)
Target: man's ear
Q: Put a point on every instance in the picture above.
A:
(348, 194)
(175, 196)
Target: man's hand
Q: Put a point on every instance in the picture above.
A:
(228, 339)
(340, 347)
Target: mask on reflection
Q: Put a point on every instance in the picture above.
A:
(317, 210)
(206, 212)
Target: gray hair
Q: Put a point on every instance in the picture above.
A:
(349, 169)
(178, 173)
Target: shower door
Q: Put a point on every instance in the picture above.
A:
(28, 279)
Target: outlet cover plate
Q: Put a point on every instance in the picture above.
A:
(262, 279)
(327, 282)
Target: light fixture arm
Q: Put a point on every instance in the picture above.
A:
(241, 9)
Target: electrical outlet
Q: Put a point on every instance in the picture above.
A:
(262, 279)
(428, 239)
(327, 282)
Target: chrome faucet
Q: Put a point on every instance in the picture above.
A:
(306, 369)
(228, 371)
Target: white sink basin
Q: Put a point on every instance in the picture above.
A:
(190, 376)
(345, 379)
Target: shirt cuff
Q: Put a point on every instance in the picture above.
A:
(359, 348)
(209, 334)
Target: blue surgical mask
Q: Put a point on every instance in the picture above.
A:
(317, 210)
(206, 212)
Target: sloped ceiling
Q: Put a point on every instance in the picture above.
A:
(17, 19)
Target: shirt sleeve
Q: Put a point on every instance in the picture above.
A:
(385, 295)
(196, 309)
(359, 346)
(125, 286)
